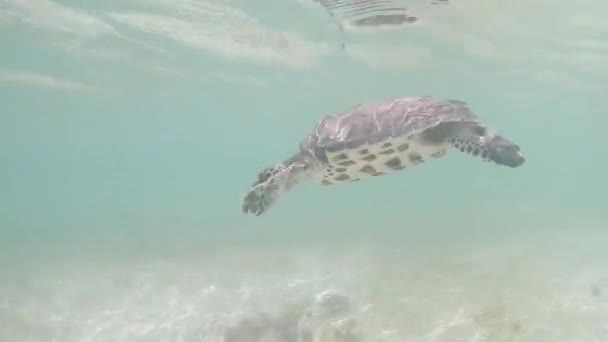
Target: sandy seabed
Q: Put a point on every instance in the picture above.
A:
(547, 286)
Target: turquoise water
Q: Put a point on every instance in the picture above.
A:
(131, 130)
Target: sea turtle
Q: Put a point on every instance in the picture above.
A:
(380, 138)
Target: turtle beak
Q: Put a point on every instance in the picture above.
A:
(510, 156)
(516, 159)
(519, 159)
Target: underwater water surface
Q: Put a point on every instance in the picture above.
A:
(131, 130)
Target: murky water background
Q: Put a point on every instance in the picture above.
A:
(131, 130)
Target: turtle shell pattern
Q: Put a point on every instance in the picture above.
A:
(380, 138)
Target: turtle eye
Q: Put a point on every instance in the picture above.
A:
(479, 130)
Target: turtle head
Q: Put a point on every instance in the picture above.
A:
(502, 151)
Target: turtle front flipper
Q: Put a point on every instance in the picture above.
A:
(274, 181)
(478, 142)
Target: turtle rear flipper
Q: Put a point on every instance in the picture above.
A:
(274, 181)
